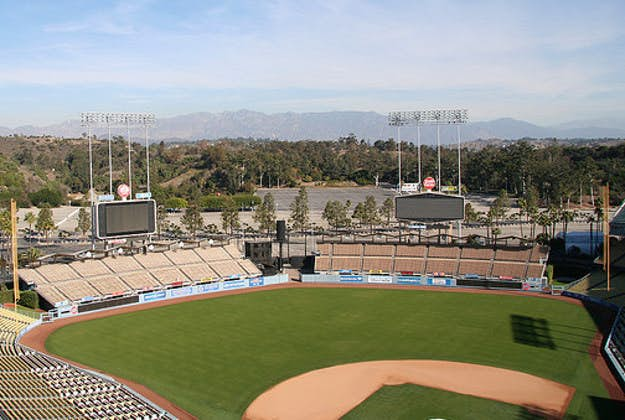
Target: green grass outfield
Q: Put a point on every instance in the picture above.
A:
(214, 356)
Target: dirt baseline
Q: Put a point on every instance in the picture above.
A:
(332, 392)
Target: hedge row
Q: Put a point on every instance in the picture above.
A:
(28, 298)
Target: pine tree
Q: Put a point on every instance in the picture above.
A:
(45, 223)
(84, 221)
(192, 220)
(300, 213)
(230, 215)
(265, 214)
(386, 210)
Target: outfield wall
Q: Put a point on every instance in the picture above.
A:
(164, 294)
(422, 280)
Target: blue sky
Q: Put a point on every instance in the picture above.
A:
(547, 62)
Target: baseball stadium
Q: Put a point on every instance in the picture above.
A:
(386, 326)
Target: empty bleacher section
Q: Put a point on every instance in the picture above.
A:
(539, 254)
(198, 272)
(451, 252)
(170, 275)
(35, 386)
(153, 260)
(435, 259)
(513, 255)
(509, 270)
(76, 289)
(481, 268)
(469, 253)
(142, 280)
(128, 274)
(442, 266)
(90, 268)
(378, 264)
(373, 250)
(347, 249)
(411, 265)
(347, 263)
(183, 257)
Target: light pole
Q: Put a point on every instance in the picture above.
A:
(436, 117)
(396, 119)
(121, 119)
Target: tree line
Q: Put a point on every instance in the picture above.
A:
(45, 172)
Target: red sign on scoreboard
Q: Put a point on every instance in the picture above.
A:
(429, 183)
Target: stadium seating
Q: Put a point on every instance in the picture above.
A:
(469, 253)
(616, 344)
(413, 265)
(129, 274)
(481, 268)
(446, 266)
(153, 260)
(198, 272)
(452, 252)
(451, 260)
(372, 250)
(183, 257)
(140, 281)
(377, 264)
(410, 251)
(516, 255)
(35, 386)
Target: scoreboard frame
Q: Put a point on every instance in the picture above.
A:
(104, 211)
(407, 207)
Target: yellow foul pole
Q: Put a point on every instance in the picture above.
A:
(605, 196)
(16, 283)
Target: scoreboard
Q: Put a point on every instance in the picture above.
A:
(123, 219)
(429, 207)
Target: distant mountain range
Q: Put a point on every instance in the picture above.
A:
(370, 126)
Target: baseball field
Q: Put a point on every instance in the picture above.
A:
(213, 357)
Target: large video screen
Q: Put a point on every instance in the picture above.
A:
(429, 207)
(119, 219)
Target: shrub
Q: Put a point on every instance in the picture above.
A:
(176, 203)
(29, 299)
(48, 194)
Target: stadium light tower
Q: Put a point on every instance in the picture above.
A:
(436, 117)
(121, 119)
(397, 120)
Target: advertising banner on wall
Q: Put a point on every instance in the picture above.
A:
(207, 288)
(409, 280)
(183, 291)
(234, 284)
(256, 282)
(152, 296)
(379, 279)
(440, 281)
(351, 279)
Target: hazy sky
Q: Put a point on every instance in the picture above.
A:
(543, 61)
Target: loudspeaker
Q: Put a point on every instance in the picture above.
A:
(281, 230)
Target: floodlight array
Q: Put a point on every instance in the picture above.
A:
(434, 117)
(109, 119)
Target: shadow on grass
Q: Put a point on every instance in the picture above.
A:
(531, 331)
(606, 408)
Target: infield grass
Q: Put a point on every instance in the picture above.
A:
(411, 402)
(213, 357)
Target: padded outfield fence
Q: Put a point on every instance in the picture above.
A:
(534, 285)
(74, 309)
